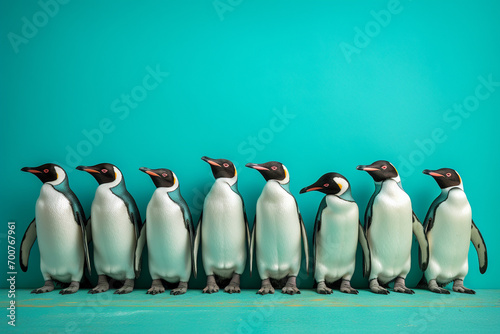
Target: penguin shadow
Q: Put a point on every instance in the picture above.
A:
(279, 283)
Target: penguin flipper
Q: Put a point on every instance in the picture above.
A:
(133, 211)
(234, 188)
(188, 220)
(366, 251)
(478, 241)
(141, 241)
(429, 217)
(252, 244)
(304, 240)
(197, 244)
(84, 241)
(88, 231)
(190, 227)
(369, 208)
(137, 225)
(423, 251)
(247, 227)
(317, 228)
(26, 244)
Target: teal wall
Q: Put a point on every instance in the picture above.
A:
(319, 86)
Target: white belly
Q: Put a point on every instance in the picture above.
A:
(113, 235)
(449, 239)
(59, 237)
(223, 232)
(278, 234)
(169, 244)
(390, 233)
(337, 240)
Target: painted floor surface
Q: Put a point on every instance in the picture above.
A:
(251, 313)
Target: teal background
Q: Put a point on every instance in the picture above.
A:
(229, 75)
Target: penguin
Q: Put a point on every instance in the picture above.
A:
(278, 231)
(59, 225)
(223, 229)
(450, 229)
(389, 224)
(168, 230)
(337, 231)
(115, 223)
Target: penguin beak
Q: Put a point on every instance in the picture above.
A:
(310, 188)
(210, 161)
(87, 169)
(256, 166)
(432, 173)
(366, 168)
(31, 170)
(148, 171)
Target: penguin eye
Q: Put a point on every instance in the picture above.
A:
(326, 185)
(225, 164)
(274, 167)
(384, 167)
(45, 170)
(448, 174)
(164, 174)
(104, 170)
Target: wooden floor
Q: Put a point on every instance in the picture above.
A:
(250, 313)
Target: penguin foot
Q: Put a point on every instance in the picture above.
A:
(232, 288)
(440, 290)
(458, 286)
(99, 289)
(290, 290)
(72, 288)
(404, 290)
(291, 286)
(127, 287)
(376, 288)
(47, 287)
(346, 287)
(154, 290)
(399, 286)
(180, 290)
(41, 290)
(465, 290)
(234, 285)
(211, 288)
(349, 290)
(124, 290)
(323, 289)
(156, 287)
(434, 287)
(380, 290)
(266, 287)
(102, 285)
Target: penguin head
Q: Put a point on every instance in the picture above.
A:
(445, 177)
(47, 173)
(162, 178)
(380, 170)
(272, 170)
(221, 168)
(329, 184)
(103, 173)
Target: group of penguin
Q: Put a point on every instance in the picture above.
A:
(118, 235)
